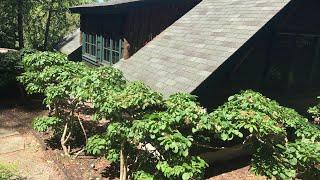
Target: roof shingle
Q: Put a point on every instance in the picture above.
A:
(186, 53)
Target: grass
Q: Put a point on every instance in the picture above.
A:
(6, 171)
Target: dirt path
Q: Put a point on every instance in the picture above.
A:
(20, 148)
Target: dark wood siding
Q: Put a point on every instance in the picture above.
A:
(138, 25)
(103, 25)
(142, 25)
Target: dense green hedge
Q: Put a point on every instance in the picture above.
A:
(10, 67)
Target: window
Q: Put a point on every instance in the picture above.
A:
(293, 63)
(99, 49)
(91, 44)
(112, 50)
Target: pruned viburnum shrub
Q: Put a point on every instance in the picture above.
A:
(149, 136)
(283, 143)
(152, 137)
(69, 89)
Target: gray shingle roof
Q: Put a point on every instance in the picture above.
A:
(70, 43)
(186, 53)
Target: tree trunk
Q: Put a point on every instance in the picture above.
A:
(123, 163)
(20, 23)
(48, 23)
(64, 139)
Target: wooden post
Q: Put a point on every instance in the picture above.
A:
(126, 49)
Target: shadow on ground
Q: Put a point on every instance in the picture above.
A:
(222, 167)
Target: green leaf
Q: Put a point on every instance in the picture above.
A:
(186, 176)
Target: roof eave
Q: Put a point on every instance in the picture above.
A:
(116, 8)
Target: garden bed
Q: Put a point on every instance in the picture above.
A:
(16, 116)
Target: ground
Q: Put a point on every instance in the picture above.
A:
(21, 148)
(26, 150)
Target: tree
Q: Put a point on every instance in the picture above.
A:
(20, 4)
(48, 21)
(8, 24)
(37, 24)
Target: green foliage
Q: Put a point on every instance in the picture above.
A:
(153, 136)
(34, 15)
(176, 143)
(39, 61)
(34, 65)
(68, 87)
(186, 170)
(141, 175)
(267, 127)
(7, 25)
(6, 171)
(133, 99)
(43, 124)
(299, 158)
(304, 155)
(96, 145)
(10, 67)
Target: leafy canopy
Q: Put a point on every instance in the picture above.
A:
(153, 137)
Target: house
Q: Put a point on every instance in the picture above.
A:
(210, 48)
(119, 28)
(71, 45)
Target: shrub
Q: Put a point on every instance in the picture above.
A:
(152, 137)
(43, 124)
(68, 88)
(265, 128)
(10, 67)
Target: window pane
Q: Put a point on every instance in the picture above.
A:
(94, 39)
(107, 55)
(115, 45)
(87, 38)
(93, 50)
(87, 48)
(104, 55)
(107, 42)
(115, 57)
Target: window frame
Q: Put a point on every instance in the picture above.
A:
(91, 45)
(100, 51)
(110, 50)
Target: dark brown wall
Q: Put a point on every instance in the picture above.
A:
(138, 25)
(304, 18)
(144, 24)
(103, 24)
